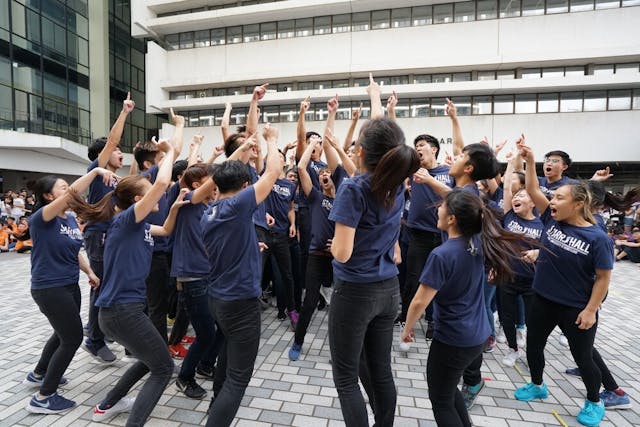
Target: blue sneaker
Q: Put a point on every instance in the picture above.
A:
(34, 381)
(612, 400)
(294, 351)
(591, 414)
(531, 392)
(53, 404)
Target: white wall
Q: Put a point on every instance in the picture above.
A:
(587, 137)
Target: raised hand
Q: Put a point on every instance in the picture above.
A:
(333, 104)
(392, 101)
(355, 115)
(260, 91)
(128, 104)
(305, 104)
(374, 87)
(177, 119)
(450, 109)
(602, 174)
(269, 132)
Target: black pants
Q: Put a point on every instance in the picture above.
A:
(278, 244)
(445, 366)
(240, 323)
(94, 245)
(608, 381)
(421, 244)
(544, 316)
(158, 292)
(509, 293)
(303, 222)
(319, 272)
(61, 305)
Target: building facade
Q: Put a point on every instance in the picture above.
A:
(564, 72)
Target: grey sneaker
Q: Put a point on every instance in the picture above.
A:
(103, 355)
(470, 393)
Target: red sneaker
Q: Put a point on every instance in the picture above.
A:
(177, 351)
(188, 339)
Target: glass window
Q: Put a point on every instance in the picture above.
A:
(173, 40)
(487, 9)
(321, 112)
(626, 3)
(557, 6)
(33, 26)
(322, 25)
(4, 15)
(461, 77)
(465, 11)
(322, 85)
(420, 107)
(306, 85)
(82, 25)
(341, 23)
(603, 70)
(270, 113)
(203, 38)
(340, 83)
(360, 21)
(344, 111)
(481, 105)
(552, 72)
(401, 17)
(218, 37)
(581, 5)
(503, 104)
(619, 99)
(186, 40)
(380, 19)
(463, 105)
(5, 71)
(486, 75)
(530, 73)
(548, 103)
(286, 29)
(627, 69)
(251, 33)
(607, 4)
(443, 13)
(595, 101)
(636, 99)
(571, 102)
(574, 71)
(289, 113)
(421, 15)
(437, 106)
(509, 8)
(234, 34)
(55, 11)
(532, 7)
(526, 103)
(268, 31)
(304, 27)
(421, 78)
(505, 74)
(25, 78)
(441, 78)
(398, 80)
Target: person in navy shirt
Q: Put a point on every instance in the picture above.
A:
(367, 212)
(453, 277)
(571, 281)
(234, 277)
(555, 164)
(55, 266)
(105, 153)
(122, 301)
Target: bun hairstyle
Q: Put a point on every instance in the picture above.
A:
(40, 187)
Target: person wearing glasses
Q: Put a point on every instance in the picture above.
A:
(555, 164)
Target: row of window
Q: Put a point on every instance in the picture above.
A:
(465, 11)
(520, 73)
(564, 102)
(217, 7)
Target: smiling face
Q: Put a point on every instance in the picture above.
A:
(563, 206)
(522, 204)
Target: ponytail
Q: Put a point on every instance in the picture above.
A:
(102, 211)
(622, 203)
(394, 167)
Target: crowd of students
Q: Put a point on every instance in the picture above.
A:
(15, 209)
(382, 233)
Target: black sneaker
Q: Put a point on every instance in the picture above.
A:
(205, 372)
(190, 388)
(470, 394)
(429, 335)
(282, 315)
(321, 303)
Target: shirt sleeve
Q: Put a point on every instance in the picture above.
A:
(348, 206)
(151, 173)
(245, 201)
(546, 216)
(433, 273)
(603, 254)
(93, 165)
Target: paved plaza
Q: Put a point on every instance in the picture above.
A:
(301, 393)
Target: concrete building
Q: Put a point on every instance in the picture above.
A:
(564, 72)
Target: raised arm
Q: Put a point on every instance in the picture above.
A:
(249, 142)
(333, 151)
(252, 115)
(301, 131)
(374, 96)
(423, 177)
(116, 132)
(217, 152)
(352, 128)
(176, 138)
(194, 149)
(303, 174)
(531, 178)
(506, 186)
(458, 141)
(145, 205)
(275, 163)
(167, 228)
(391, 106)
(332, 109)
(226, 117)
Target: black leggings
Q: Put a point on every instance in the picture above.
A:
(509, 301)
(61, 305)
(319, 272)
(544, 316)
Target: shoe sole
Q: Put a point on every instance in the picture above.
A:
(616, 407)
(40, 410)
(532, 399)
(31, 384)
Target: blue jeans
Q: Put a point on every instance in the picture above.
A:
(197, 305)
(128, 325)
(361, 320)
(240, 323)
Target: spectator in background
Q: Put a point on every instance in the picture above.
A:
(6, 205)
(29, 204)
(4, 236)
(23, 237)
(17, 210)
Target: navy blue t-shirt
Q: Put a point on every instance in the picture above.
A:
(404, 230)
(567, 274)
(322, 228)
(260, 214)
(189, 257)
(127, 260)
(54, 257)
(313, 168)
(232, 247)
(377, 230)
(498, 197)
(423, 213)
(339, 176)
(548, 188)
(457, 273)
(97, 190)
(158, 218)
(531, 228)
(278, 202)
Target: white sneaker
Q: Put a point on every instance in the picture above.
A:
(326, 294)
(563, 340)
(500, 336)
(521, 337)
(511, 357)
(124, 405)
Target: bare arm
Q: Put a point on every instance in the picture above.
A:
(145, 205)
(458, 140)
(252, 116)
(194, 149)
(587, 317)
(249, 143)
(224, 125)
(217, 152)
(352, 128)
(303, 174)
(176, 138)
(374, 96)
(94, 281)
(424, 295)
(301, 131)
(167, 228)
(331, 149)
(531, 180)
(291, 215)
(508, 178)
(423, 177)
(275, 163)
(116, 132)
(391, 106)
(342, 242)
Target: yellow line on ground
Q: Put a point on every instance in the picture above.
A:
(526, 378)
(559, 418)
